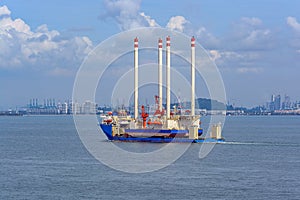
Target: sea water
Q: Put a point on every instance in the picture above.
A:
(42, 157)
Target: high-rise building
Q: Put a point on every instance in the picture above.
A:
(272, 98)
(64, 108)
(271, 104)
(296, 105)
(89, 107)
(277, 102)
(286, 104)
(74, 108)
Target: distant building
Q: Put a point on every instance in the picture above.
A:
(286, 104)
(296, 105)
(64, 108)
(74, 108)
(271, 104)
(277, 102)
(272, 98)
(49, 107)
(89, 107)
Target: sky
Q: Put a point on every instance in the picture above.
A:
(255, 44)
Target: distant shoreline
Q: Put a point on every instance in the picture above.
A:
(60, 115)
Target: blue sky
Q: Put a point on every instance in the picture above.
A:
(256, 44)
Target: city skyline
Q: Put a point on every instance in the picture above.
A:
(254, 44)
(276, 102)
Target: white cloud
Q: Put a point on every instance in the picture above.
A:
(4, 11)
(207, 39)
(215, 54)
(21, 46)
(177, 23)
(127, 14)
(60, 72)
(294, 40)
(244, 70)
(292, 22)
(241, 62)
(225, 55)
(151, 22)
(255, 37)
(253, 21)
(250, 34)
(36, 47)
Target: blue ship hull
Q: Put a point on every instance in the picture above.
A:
(107, 129)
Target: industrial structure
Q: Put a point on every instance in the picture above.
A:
(50, 107)
(165, 125)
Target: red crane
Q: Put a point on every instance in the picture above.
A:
(144, 115)
(158, 112)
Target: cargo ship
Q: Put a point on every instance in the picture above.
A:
(165, 125)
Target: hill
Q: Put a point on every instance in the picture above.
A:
(203, 103)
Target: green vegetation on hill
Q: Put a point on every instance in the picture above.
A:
(203, 103)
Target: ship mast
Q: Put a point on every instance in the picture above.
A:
(136, 80)
(160, 75)
(168, 78)
(193, 76)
